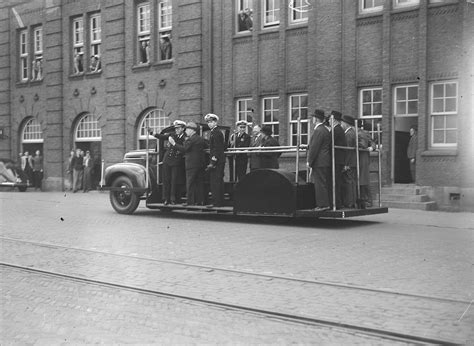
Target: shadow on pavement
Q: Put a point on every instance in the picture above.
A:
(258, 220)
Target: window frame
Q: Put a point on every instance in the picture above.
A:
(165, 9)
(410, 3)
(372, 9)
(273, 123)
(292, 11)
(91, 125)
(32, 130)
(243, 114)
(95, 30)
(143, 35)
(24, 55)
(406, 100)
(294, 123)
(78, 45)
(373, 118)
(275, 13)
(443, 114)
(160, 122)
(241, 5)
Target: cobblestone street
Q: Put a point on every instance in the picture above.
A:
(405, 272)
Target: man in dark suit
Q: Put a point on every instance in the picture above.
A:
(411, 152)
(173, 163)
(240, 139)
(217, 164)
(194, 161)
(255, 141)
(349, 187)
(319, 159)
(269, 160)
(339, 154)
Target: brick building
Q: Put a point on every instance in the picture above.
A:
(95, 74)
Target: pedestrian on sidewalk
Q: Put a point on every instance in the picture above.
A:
(88, 164)
(37, 161)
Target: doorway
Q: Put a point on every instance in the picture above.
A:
(95, 149)
(401, 164)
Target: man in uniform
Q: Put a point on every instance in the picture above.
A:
(255, 141)
(350, 166)
(411, 152)
(173, 163)
(339, 140)
(217, 164)
(319, 159)
(194, 161)
(269, 160)
(240, 139)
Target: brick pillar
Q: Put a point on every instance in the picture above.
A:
(6, 138)
(387, 123)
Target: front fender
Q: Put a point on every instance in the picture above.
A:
(136, 173)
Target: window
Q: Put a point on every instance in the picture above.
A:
(271, 115)
(244, 111)
(405, 3)
(371, 5)
(164, 29)
(96, 40)
(78, 45)
(244, 15)
(299, 11)
(370, 108)
(406, 100)
(32, 132)
(24, 55)
(154, 120)
(271, 13)
(143, 30)
(87, 129)
(299, 108)
(37, 62)
(444, 108)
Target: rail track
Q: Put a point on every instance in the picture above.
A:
(384, 334)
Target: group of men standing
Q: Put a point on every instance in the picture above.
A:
(345, 168)
(185, 159)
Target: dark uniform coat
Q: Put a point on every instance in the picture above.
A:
(241, 160)
(364, 157)
(216, 175)
(173, 167)
(269, 160)
(194, 161)
(411, 154)
(319, 159)
(349, 188)
(255, 141)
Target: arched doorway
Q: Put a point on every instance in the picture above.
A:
(88, 137)
(152, 120)
(31, 137)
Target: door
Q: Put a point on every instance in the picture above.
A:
(402, 138)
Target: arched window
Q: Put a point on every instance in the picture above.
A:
(88, 130)
(154, 120)
(32, 132)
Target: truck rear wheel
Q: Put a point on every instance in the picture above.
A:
(124, 201)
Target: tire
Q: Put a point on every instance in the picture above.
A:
(124, 202)
(22, 188)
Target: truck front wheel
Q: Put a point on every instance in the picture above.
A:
(124, 201)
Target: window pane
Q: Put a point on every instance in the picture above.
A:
(276, 130)
(413, 107)
(294, 114)
(438, 90)
(366, 110)
(438, 106)
(438, 136)
(276, 103)
(451, 136)
(450, 89)
(366, 96)
(276, 115)
(267, 117)
(413, 93)
(451, 122)
(438, 122)
(450, 105)
(377, 109)
(377, 95)
(304, 113)
(401, 94)
(400, 107)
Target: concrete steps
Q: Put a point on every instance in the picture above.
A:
(406, 196)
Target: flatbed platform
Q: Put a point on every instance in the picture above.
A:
(308, 213)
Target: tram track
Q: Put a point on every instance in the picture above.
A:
(294, 318)
(242, 272)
